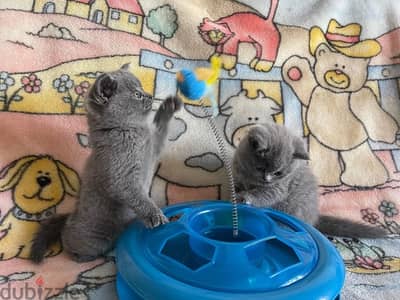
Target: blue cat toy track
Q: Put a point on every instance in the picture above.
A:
(195, 256)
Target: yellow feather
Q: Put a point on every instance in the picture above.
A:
(216, 68)
(209, 75)
(203, 74)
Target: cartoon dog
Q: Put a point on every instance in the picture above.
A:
(38, 184)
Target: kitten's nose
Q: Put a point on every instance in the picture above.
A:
(43, 181)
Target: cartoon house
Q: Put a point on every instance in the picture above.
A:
(79, 8)
(116, 14)
(120, 15)
(50, 7)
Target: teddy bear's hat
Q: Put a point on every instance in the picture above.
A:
(345, 39)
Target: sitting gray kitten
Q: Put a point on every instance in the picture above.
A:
(126, 146)
(270, 170)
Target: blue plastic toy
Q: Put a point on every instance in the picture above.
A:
(195, 256)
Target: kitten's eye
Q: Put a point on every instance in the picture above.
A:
(260, 169)
(138, 94)
(279, 173)
(336, 65)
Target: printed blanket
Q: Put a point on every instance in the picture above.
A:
(329, 70)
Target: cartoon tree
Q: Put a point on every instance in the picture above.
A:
(162, 21)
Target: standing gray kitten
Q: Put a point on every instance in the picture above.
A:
(270, 169)
(116, 180)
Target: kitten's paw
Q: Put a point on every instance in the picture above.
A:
(172, 104)
(250, 199)
(166, 110)
(243, 197)
(155, 220)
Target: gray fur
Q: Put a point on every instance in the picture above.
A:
(116, 180)
(271, 170)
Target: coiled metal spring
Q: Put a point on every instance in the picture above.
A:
(228, 168)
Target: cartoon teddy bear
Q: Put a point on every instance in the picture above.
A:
(342, 112)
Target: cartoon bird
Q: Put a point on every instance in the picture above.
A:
(198, 83)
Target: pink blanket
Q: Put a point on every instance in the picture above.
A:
(329, 74)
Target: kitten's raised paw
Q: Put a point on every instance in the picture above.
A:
(155, 220)
(166, 111)
(172, 104)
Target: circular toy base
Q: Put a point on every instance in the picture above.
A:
(196, 256)
(124, 291)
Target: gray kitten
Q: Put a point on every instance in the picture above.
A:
(270, 169)
(117, 177)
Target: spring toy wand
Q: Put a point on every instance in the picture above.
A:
(196, 85)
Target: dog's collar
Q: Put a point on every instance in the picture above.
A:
(43, 215)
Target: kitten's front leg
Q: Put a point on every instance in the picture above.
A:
(151, 216)
(163, 115)
(154, 218)
(147, 211)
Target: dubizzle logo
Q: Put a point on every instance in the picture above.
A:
(36, 291)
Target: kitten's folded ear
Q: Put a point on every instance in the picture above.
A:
(126, 67)
(300, 151)
(104, 88)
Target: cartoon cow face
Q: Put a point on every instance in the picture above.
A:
(244, 112)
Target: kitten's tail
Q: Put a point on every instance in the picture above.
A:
(48, 233)
(345, 228)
